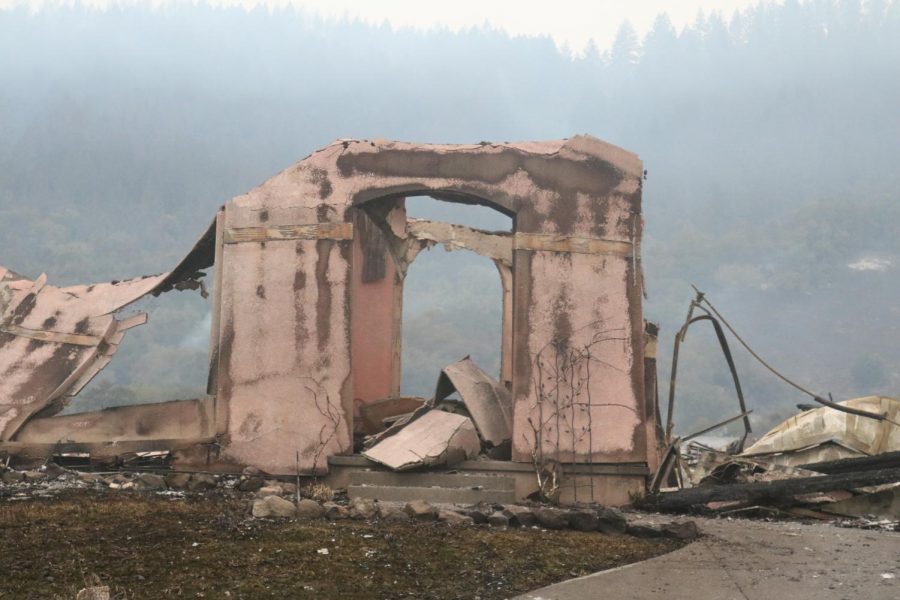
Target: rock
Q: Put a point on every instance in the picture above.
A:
(363, 508)
(202, 481)
(97, 592)
(501, 452)
(335, 511)
(643, 531)
(90, 478)
(289, 488)
(610, 520)
(683, 530)
(392, 514)
(10, 477)
(269, 490)
(551, 518)
(420, 510)
(252, 472)
(33, 476)
(520, 516)
(178, 481)
(118, 482)
(53, 470)
(251, 484)
(498, 519)
(273, 506)
(309, 509)
(454, 518)
(397, 516)
(583, 520)
(149, 481)
(480, 517)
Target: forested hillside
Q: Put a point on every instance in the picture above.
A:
(771, 139)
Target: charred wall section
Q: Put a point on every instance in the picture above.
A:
(298, 257)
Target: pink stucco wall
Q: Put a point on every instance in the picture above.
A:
(291, 343)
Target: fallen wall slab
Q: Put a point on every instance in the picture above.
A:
(179, 419)
(435, 438)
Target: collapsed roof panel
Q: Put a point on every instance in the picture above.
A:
(202, 256)
(488, 402)
(54, 340)
(825, 427)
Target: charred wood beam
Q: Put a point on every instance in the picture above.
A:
(779, 493)
(889, 460)
(496, 245)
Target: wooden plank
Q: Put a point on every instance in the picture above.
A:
(313, 231)
(496, 245)
(53, 337)
(506, 466)
(131, 322)
(580, 245)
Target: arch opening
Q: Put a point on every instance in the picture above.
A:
(165, 360)
(452, 300)
(432, 286)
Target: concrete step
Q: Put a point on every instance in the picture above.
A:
(434, 495)
(428, 480)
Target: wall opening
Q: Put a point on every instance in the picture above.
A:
(452, 301)
(165, 359)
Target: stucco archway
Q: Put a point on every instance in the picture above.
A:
(289, 258)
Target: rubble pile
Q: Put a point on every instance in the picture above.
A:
(281, 499)
(442, 431)
(587, 519)
(50, 479)
(820, 464)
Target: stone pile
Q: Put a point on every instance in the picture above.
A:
(280, 499)
(599, 519)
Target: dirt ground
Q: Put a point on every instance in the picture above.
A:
(151, 546)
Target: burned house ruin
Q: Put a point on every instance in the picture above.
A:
(307, 288)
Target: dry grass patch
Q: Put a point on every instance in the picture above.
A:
(146, 546)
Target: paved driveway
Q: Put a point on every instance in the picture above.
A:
(753, 560)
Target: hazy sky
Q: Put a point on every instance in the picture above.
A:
(570, 22)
